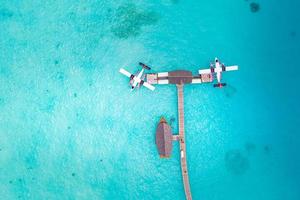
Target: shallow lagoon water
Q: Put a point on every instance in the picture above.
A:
(71, 129)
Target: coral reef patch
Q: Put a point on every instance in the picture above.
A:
(129, 21)
(236, 163)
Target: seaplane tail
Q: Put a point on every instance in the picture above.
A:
(220, 85)
(224, 69)
(144, 66)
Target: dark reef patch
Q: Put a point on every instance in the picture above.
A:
(254, 7)
(236, 163)
(129, 21)
(172, 122)
(58, 45)
(88, 65)
(250, 147)
(73, 174)
(293, 33)
(267, 149)
(49, 105)
(5, 71)
(31, 160)
(60, 76)
(5, 14)
(175, 1)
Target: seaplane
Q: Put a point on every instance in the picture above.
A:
(217, 68)
(138, 79)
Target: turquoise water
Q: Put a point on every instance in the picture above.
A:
(71, 129)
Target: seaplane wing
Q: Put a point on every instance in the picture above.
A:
(149, 86)
(146, 84)
(126, 73)
(205, 71)
(231, 68)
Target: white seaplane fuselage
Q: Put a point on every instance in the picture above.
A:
(218, 70)
(135, 81)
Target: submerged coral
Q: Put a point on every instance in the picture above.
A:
(250, 147)
(254, 7)
(5, 14)
(172, 119)
(175, 1)
(236, 163)
(293, 33)
(172, 122)
(130, 20)
(267, 149)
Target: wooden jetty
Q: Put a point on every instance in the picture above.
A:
(174, 76)
(163, 132)
(179, 78)
(184, 169)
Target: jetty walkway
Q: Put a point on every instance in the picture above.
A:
(184, 169)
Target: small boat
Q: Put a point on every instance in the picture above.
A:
(163, 139)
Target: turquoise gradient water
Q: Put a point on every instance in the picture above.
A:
(71, 129)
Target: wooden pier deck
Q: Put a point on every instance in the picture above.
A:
(184, 169)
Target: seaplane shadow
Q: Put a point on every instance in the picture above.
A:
(229, 91)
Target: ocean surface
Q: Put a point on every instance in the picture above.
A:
(71, 129)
